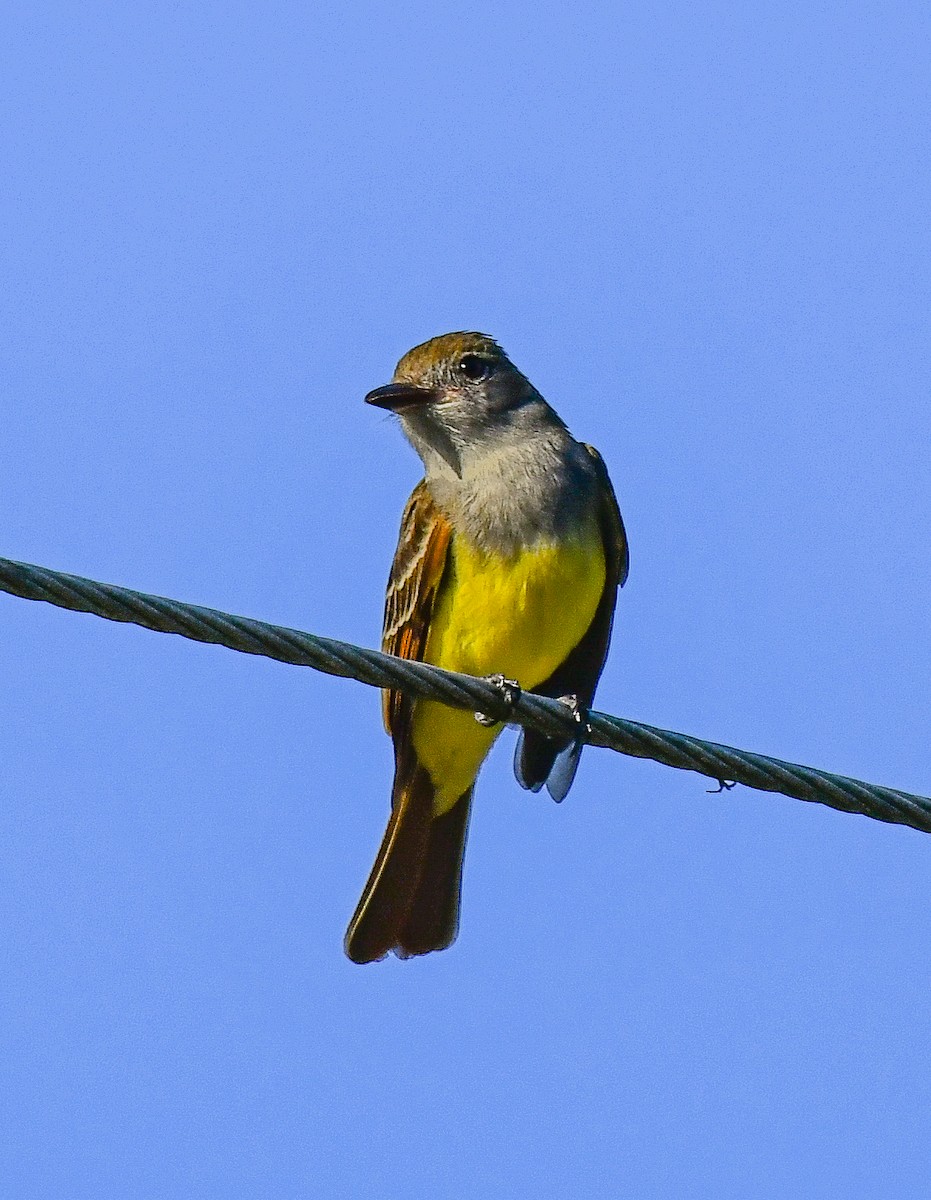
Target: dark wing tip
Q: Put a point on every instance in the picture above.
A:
(533, 758)
(560, 779)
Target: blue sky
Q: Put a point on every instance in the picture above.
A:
(703, 233)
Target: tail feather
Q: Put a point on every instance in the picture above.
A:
(433, 920)
(410, 903)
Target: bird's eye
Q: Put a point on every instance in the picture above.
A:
(474, 367)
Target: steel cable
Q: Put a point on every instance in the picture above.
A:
(721, 763)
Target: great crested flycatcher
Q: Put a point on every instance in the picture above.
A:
(511, 553)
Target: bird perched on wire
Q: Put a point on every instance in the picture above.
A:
(511, 552)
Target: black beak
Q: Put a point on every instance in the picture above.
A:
(398, 396)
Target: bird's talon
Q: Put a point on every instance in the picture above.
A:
(579, 714)
(510, 692)
(724, 785)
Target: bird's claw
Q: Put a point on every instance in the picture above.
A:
(724, 785)
(579, 714)
(510, 692)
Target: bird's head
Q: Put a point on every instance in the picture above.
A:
(459, 394)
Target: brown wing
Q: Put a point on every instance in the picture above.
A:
(416, 574)
(579, 672)
(411, 901)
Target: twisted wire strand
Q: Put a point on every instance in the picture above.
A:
(249, 636)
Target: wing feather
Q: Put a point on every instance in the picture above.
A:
(415, 578)
(579, 672)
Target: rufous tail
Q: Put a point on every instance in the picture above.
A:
(410, 904)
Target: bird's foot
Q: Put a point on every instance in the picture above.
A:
(510, 692)
(579, 714)
(724, 785)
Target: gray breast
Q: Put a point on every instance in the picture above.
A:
(543, 489)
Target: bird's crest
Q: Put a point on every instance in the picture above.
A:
(430, 357)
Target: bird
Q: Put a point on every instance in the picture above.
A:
(510, 556)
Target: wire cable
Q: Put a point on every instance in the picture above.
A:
(718, 762)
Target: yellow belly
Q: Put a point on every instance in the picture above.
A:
(516, 616)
